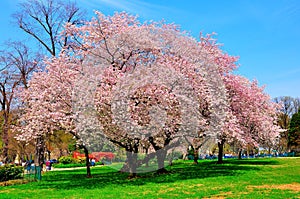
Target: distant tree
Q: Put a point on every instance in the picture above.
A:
(289, 106)
(287, 110)
(45, 19)
(294, 132)
(17, 63)
(296, 103)
(57, 143)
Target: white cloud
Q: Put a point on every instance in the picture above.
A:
(143, 9)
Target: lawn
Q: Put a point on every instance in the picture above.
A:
(249, 178)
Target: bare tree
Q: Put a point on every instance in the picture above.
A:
(44, 20)
(286, 110)
(17, 63)
(290, 106)
(296, 105)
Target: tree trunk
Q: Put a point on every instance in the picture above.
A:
(132, 164)
(49, 154)
(195, 156)
(184, 157)
(60, 152)
(5, 142)
(39, 151)
(87, 162)
(161, 156)
(220, 154)
(240, 154)
(39, 156)
(5, 129)
(125, 167)
(171, 162)
(147, 162)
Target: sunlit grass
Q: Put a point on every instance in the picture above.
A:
(253, 178)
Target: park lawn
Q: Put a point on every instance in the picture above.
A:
(249, 178)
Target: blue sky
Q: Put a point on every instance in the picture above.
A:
(265, 34)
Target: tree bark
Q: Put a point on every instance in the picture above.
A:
(49, 154)
(5, 109)
(161, 153)
(87, 162)
(240, 154)
(39, 151)
(161, 156)
(132, 164)
(195, 156)
(86, 153)
(220, 154)
(5, 142)
(147, 161)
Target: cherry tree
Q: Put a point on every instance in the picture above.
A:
(252, 115)
(139, 86)
(48, 104)
(169, 93)
(254, 110)
(225, 64)
(172, 92)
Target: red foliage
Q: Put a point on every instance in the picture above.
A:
(96, 155)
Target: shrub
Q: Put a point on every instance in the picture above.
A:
(67, 160)
(70, 165)
(10, 172)
(80, 159)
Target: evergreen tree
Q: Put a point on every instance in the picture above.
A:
(294, 132)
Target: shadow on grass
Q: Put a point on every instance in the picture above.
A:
(106, 176)
(252, 162)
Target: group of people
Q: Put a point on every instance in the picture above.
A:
(30, 166)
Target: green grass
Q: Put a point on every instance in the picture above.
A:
(72, 165)
(253, 178)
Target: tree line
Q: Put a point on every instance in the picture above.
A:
(86, 71)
